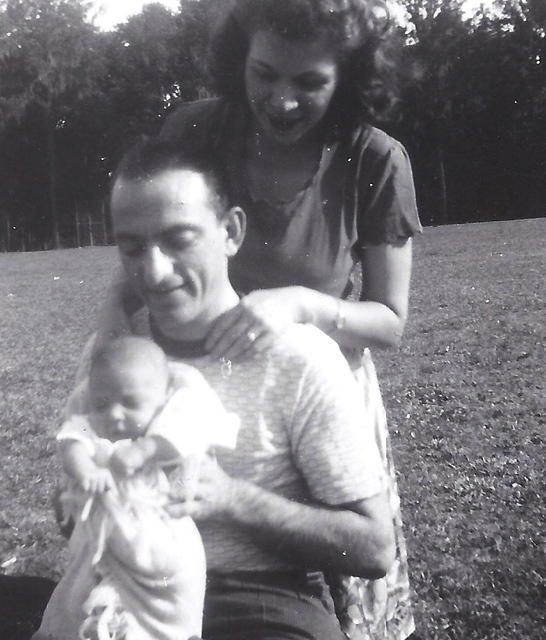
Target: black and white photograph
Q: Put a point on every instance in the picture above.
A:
(272, 319)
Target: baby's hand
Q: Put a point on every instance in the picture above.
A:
(98, 480)
(127, 459)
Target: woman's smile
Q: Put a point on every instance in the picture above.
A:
(285, 124)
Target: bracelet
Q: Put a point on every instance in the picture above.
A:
(339, 322)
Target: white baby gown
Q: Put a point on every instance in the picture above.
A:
(135, 573)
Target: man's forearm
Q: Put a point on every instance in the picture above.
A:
(315, 536)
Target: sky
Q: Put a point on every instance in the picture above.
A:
(108, 13)
(111, 12)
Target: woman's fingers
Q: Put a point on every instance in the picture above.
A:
(248, 328)
(235, 336)
(235, 341)
(249, 343)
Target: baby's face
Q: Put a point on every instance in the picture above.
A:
(124, 402)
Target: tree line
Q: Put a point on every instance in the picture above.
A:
(72, 98)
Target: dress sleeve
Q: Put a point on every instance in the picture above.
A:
(384, 192)
(198, 123)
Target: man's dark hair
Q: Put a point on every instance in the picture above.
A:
(152, 155)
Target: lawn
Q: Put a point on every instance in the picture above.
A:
(465, 398)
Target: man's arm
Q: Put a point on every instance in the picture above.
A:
(356, 539)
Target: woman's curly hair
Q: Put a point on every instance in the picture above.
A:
(359, 30)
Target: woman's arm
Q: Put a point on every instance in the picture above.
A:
(377, 321)
(380, 318)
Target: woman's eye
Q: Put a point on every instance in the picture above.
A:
(264, 75)
(311, 84)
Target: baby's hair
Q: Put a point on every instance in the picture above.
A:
(126, 352)
(153, 155)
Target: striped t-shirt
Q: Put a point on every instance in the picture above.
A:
(303, 435)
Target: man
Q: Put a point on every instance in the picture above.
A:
(303, 491)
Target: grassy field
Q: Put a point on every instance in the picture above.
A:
(465, 397)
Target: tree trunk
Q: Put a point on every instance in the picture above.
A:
(77, 217)
(104, 225)
(53, 204)
(443, 187)
(90, 227)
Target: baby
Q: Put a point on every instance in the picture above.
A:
(134, 573)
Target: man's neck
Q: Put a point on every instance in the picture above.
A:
(198, 329)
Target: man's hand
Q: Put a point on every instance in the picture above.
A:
(355, 539)
(214, 494)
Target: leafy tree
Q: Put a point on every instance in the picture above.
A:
(142, 68)
(475, 112)
(435, 45)
(46, 54)
(197, 22)
(72, 98)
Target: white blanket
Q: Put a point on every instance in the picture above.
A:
(134, 573)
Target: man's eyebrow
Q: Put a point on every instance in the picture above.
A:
(175, 228)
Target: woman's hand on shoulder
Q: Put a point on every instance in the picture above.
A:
(254, 324)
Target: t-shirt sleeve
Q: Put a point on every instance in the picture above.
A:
(333, 445)
(384, 192)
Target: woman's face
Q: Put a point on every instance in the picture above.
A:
(289, 85)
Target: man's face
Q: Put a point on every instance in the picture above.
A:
(174, 249)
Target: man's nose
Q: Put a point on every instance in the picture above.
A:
(284, 99)
(156, 266)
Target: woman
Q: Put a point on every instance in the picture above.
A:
(328, 197)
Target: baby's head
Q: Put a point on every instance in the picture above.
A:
(128, 385)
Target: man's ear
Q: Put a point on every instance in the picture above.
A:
(234, 222)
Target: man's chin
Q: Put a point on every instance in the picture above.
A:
(178, 325)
